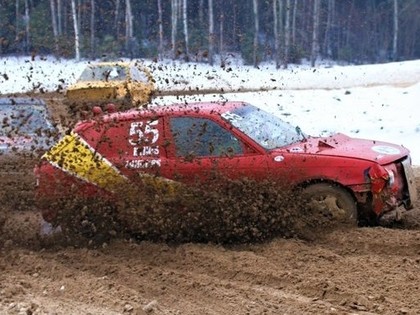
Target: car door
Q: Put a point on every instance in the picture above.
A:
(133, 146)
(200, 148)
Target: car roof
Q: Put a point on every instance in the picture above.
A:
(203, 108)
(123, 64)
(196, 108)
(21, 101)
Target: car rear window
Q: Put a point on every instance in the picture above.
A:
(104, 73)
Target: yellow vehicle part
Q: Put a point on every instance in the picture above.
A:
(98, 92)
(141, 93)
(76, 157)
(161, 185)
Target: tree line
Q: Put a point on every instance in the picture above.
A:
(284, 31)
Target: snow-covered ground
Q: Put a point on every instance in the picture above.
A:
(373, 101)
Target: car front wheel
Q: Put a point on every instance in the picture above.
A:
(329, 205)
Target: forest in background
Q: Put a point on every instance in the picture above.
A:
(283, 31)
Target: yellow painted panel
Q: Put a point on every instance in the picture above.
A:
(75, 156)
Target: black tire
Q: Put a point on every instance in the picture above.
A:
(329, 205)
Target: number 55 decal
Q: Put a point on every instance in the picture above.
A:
(143, 133)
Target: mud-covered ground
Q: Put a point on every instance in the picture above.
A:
(345, 271)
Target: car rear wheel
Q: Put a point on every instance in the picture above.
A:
(88, 227)
(329, 205)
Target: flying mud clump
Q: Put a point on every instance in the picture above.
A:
(223, 211)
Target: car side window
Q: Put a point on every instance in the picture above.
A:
(199, 137)
(138, 75)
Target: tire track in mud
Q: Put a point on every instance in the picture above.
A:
(190, 278)
(350, 271)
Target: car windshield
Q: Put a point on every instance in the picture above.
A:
(267, 130)
(23, 120)
(104, 73)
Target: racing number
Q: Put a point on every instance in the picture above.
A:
(143, 132)
(143, 136)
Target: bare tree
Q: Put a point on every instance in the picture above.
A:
(211, 33)
(294, 22)
(17, 20)
(315, 30)
(328, 27)
(350, 17)
(27, 33)
(287, 35)
(185, 23)
(370, 30)
(76, 30)
(256, 32)
(221, 33)
(116, 20)
(395, 37)
(276, 34)
(201, 12)
(281, 24)
(129, 40)
(174, 15)
(59, 17)
(79, 8)
(160, 23)
(54, 24)
(92, 29)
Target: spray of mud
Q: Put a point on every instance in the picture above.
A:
(221, 210)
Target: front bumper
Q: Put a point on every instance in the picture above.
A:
(411, 184)
(387, 188)
(401, 191)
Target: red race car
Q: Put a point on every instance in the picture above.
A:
(356, 180)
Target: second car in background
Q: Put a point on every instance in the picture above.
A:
(128, 84)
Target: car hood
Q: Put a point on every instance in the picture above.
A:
(341, 145)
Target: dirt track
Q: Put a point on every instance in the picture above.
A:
(359, 271)
(353, 271)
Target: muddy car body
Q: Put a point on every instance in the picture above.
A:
(26, 132)
(126, 83)
(359, 180)
(26, 126)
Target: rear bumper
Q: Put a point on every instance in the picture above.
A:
(58, 192)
